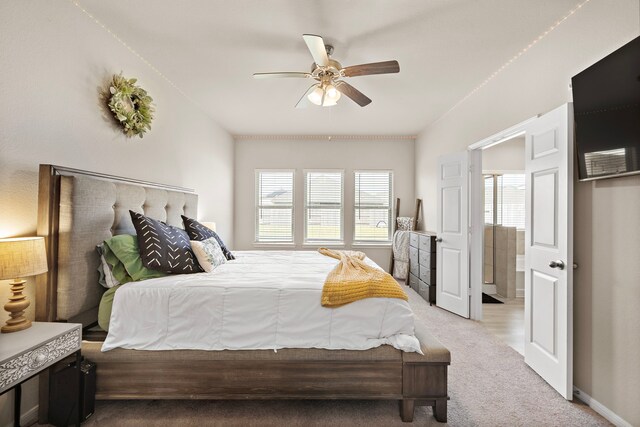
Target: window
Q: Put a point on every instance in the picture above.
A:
(274, 206)
(504, 200)
(373, 215)
(323, 198)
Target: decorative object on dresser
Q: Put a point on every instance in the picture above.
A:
(422, 264)
(24, 355)
(20, 257)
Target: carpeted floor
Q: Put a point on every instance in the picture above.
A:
(489, 385)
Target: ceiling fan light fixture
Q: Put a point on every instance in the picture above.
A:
(315, 97)
(329, 92)
(332, 93)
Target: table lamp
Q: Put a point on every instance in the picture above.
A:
(20, 257)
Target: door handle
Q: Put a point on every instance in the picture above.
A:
(559, 264)
(438, 239)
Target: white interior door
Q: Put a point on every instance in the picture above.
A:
(452, 251)
(548, 248)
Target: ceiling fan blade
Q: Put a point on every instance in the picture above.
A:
(304, 101)
(358, 97)
(385, 67)
(317, 49)
(281, 75)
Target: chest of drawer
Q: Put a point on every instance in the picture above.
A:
(413, 255)
(426, 243)
(414, 282)
(427, 259)
(427, 275)
(414, 240)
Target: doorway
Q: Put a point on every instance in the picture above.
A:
(504, 211)
(548, 241)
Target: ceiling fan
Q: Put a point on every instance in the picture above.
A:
(329, 74)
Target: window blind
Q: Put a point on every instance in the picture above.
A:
(510, 207)
(323, 206)
(373, 212)
(274, 206)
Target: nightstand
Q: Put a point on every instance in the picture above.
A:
(26, 353)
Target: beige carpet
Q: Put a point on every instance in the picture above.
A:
(489, 385)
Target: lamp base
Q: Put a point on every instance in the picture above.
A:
(16, 306)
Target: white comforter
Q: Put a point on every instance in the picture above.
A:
(262, 300)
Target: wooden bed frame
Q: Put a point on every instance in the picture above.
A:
(409, 378)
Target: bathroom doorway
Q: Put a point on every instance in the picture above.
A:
(504, 232)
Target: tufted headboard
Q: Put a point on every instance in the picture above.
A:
(77, 210)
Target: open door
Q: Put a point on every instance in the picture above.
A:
(549, 248)
(452, 251)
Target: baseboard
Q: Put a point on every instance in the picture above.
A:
(519, 293)
(600, 408)
(489, 289)
(27, 418)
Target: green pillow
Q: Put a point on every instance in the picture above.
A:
(124, 247)
(104, 310)
(117, 267)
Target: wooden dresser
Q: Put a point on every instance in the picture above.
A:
(422, 264)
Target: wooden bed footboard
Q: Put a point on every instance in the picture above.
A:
(377, 374)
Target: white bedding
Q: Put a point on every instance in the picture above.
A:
(261, 300)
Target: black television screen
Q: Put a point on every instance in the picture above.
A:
(606, 103)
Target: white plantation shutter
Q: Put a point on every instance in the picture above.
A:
(323, 206)
(274, 206)
(373, 214)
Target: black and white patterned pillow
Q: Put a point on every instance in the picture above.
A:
(199, 232)
(163, 247)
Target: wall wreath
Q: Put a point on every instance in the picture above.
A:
(131, 106)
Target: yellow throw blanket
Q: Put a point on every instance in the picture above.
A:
(353, 279)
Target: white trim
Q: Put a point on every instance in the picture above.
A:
(600, 408)
(371, 245)
(26, 418)
(476, 234)
(519, 293)
(476, 198)
(274, 245)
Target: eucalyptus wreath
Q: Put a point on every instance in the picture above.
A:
(131, 106)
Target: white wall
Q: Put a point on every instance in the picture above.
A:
(506, 156)
(607, 224)
(55, 61)
(350, 155)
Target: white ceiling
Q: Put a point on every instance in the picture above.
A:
(210, 49)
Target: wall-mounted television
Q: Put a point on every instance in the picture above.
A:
(606, 104)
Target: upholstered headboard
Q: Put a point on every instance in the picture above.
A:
(77, 211)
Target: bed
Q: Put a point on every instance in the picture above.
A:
(79, 209)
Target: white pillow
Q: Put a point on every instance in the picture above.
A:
(208, 253)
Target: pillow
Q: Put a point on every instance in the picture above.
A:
(105, 270)
(163, 247)
(208, 253)
(104, 309)
(123, 249)
(198, 232)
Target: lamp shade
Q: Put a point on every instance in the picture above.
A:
(22, 257)
(210, 225)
